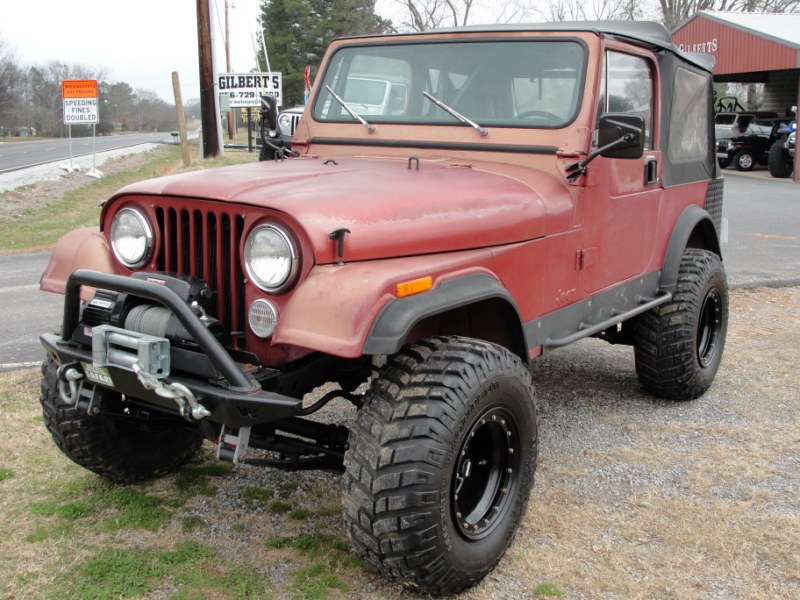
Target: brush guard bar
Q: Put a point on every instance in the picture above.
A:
(236, 399)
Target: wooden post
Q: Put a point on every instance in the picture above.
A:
(176, 88)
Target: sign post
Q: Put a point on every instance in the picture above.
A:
(80, 107)
(244, 90)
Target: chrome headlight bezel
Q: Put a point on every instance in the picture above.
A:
(286, 269)
(139, 257)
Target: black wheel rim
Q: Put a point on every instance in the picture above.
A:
(708, 328)
(486, 473)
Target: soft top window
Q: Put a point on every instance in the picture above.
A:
(498, 83)
(689, 126)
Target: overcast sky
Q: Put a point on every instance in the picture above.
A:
(140, 42)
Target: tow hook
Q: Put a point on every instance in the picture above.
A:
(189, 407)
(68, 375)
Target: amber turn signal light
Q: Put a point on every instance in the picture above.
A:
(409, 288)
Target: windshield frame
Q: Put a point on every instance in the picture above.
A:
(336, 61)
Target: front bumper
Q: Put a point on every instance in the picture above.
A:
(232, 396)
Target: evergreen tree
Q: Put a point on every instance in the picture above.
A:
(297, 32)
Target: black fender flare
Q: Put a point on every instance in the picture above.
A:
(694, 227)
(391, 327)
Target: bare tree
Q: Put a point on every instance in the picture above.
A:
(45, 93)
(422, 15)
(582, 10)
(12, 88)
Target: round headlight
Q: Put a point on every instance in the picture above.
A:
(131, 237)
(285, 122)
(270, 258)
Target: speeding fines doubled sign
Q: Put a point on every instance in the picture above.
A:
(245, 89)
(80, 101)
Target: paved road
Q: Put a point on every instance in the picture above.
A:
(763, 248)
(19, 155)
(763, 230)
(25, 312)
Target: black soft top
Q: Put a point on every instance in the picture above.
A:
(649, 34)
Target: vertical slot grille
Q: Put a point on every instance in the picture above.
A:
(205, 244)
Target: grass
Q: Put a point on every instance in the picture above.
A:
(67, 533)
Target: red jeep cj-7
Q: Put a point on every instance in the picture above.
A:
(457, 203)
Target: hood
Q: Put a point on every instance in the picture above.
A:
(390, 209)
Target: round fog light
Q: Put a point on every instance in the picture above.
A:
(263, 318)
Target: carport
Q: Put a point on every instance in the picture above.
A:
(750, 48)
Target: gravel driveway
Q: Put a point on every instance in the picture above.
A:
(635, 497)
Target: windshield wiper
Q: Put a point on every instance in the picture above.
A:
(482, 130)
(353, 113)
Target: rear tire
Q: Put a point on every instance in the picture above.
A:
(678, 345)
(441, 463)
(116, 448)
(778, 161)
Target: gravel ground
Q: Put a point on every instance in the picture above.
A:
(634, 497)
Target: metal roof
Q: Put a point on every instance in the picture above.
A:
(743, 43)
(776, 27)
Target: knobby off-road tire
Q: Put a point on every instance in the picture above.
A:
(113, 447)
(678, 346)
(779, 160)
(441, 463)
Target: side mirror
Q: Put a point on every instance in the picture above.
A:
(269, 113)
(623, 133)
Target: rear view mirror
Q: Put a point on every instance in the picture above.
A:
(269, 113)
(621, 135)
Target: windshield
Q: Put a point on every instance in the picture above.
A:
(502, 84)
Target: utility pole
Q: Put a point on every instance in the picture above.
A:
(231, 131)
(208, 110)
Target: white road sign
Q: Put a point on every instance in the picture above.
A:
(78, 111)
(245, 89)
(80, 101)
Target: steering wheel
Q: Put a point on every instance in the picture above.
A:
(538, 113)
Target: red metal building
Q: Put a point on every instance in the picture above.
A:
(749, 48)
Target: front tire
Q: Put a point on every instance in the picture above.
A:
(744, 160)
(115, 447)
(678, 345)
(441, 463)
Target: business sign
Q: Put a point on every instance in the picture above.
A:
(80, 101)
(245, 89)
